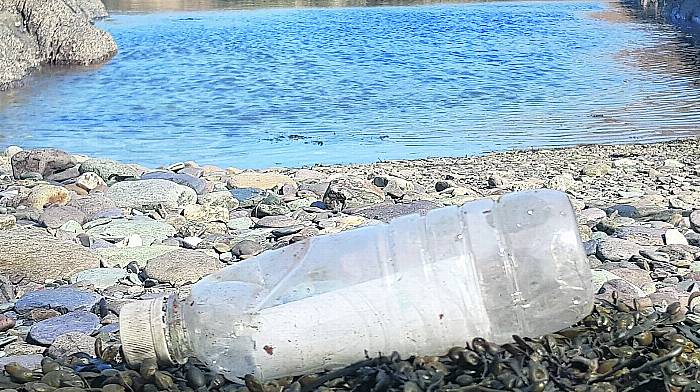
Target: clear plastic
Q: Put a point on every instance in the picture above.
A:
(418, 285)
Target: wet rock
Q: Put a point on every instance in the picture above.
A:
(45, 332)
(35, 255)
(110, 171)
(62, 299)
(72, 343)
(44, 195)
(350, 193)
(150, 194)
(55, 216)
(181, 266)
(615, 249)
(387, 212)
(46, 162)
(219, 199)
(149, 230)
(197, 184)
(201, 213)
(100, 278)
(259, 180)
(121, 257)
(624, 210)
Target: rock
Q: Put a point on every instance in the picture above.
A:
(591, 216)
(615, 249)
(219, 199)
(351, 192)
(673, 236)
(201, 213)
(248, 197)
(240, 223)
(600, 276)
(62, 299)
(45, 332)
(10, 151)
(387, 212)
(673, 163)
(637, 277)
(624, 210)
(197, 184)
(596, 169)
(150, 194)
(72, 343)
(181, 266)
(246, 248)
(7, 222)
(90, 181)
(35, 255)
(44, 195)
(100, 278)
(64, 33)
(624, 162)
(645, 236)
(259, 180)
(149, 230)
(46, 162)
(626, 292)
(93, 204)
(276, 221)
(30, 362)
(191, 242)
(561, 182)
(20, 348)
(43, 314)
(695, 220)
(6, 323)
(121, 257)
(693, 238)
(110, 171)
(55, 216)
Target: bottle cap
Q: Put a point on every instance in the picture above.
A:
(142, 328)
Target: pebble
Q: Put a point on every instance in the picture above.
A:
(100, 278)
(110, 171)
(6, 322)
(7, 222)
(181, 266)
(259, 180)
(674, 237)
(121, 257)
(695, 220)
(63, 299)
(246, 248)
(615, 249)
(72, 343)
(118, 229)
(45, 332)
(149, 194)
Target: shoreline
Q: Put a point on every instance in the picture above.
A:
(95, 234)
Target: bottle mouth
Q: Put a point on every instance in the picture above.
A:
(143, 328)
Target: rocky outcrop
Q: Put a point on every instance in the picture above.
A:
(36, 32)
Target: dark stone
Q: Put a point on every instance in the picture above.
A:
(45, 332)
(386, 212)
(283, 231)
(63, 299)
(625, 210)
(693, 238)
(198, 184)
(46, 161)
(319, 204)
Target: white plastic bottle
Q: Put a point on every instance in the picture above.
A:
(418, 285)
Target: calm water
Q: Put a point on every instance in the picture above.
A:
(297, 86)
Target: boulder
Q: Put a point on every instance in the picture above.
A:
(197, 184)
(45, 161)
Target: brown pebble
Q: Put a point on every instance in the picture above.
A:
(6, 323)
(43, 314)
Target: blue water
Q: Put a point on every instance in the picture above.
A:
(255, 88)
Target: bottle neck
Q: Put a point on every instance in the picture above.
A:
(177, 336)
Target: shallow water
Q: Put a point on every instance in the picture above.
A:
(297, 86)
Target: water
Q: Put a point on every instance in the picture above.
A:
(298, 86)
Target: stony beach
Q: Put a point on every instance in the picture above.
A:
(81, 236)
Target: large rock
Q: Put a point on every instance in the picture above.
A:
(181, 266)
(150, 194)
(615, 249)
(149, 230)
(46, 161)
(64, 34)
(62, 299)
(45, 332)
(35, 255)
(93, 204)
(30, 361)
(351, 192)
(45, 195)
(197, 184)
(121, 257)
(54, 217)
(645, 236)
(100, 278)
(110, 171)
(17, 49)
(72, 343)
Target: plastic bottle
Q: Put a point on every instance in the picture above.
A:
(418, 285)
